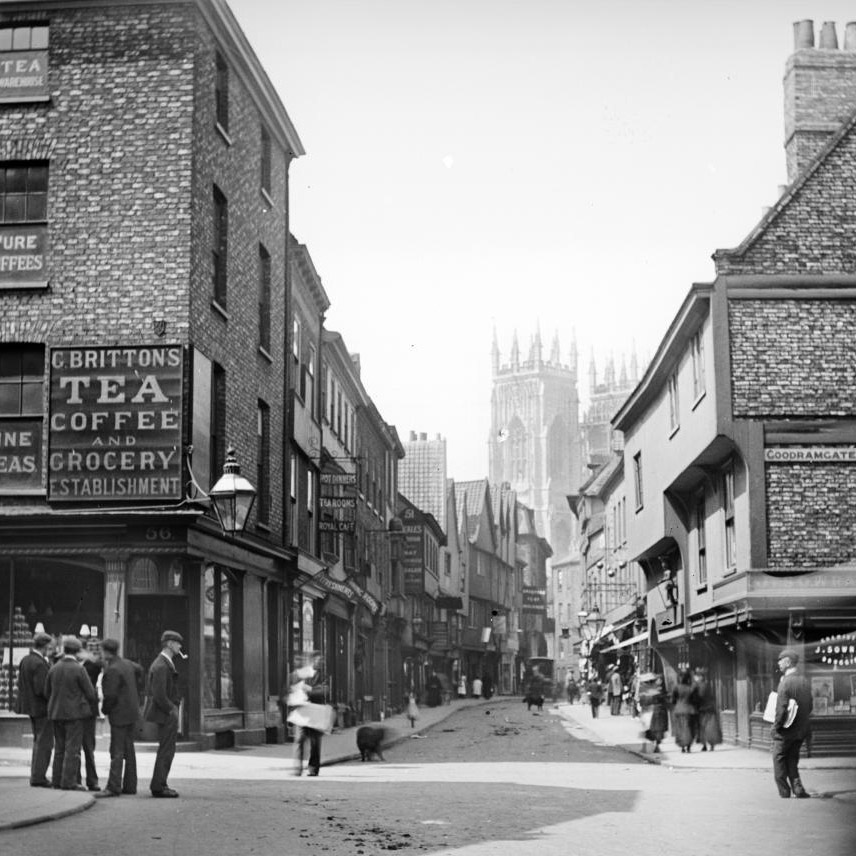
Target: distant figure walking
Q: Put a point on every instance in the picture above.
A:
(652, 708)
(615, 690)
(412, 710)
(462, 687)
(594, 688)
(709, 728)
(684, 711)
(477, 687)
(572, 689)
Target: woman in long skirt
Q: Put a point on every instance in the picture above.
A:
(709, 728)
(684, 711)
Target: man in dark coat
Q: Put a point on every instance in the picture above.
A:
(121, 705)
(162, 701)
(70, 698)
(788, 739)
(33, 702)
(92, 665)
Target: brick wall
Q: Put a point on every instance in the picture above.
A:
(811, 512)
(792, 358)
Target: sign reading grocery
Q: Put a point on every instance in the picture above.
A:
(811, 454)
(115, 424)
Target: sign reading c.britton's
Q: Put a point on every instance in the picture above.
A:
(115, 424)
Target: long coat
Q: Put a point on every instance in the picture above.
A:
(162, 690)
(32, 675)
(792, 686)
(69, 690)
(119, 685)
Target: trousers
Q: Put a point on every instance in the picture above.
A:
(167, 737)
(68, 738)
(123, 760)
(786, 758)
(43, 742)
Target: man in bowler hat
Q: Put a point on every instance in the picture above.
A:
(787, 740)
(70, 698)
(162, 708)
(33, 702)
(121, 705)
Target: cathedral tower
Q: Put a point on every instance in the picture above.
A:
(534, 442)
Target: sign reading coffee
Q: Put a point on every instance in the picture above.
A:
(23, 252)
(115, 424)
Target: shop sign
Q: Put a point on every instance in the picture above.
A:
(23, 76)
(326, 582)
(338, 502)
(368, 600)
(347, 526)
(346, 479)
(115, 424)
(534, 599)
(20, 455)
(413, 582)
(23, 256)
(811, 454)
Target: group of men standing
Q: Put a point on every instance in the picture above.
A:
(62, 702)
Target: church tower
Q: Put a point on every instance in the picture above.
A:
(534, 442)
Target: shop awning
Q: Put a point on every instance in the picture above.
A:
(626, 643)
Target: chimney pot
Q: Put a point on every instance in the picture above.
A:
(828, 37)
(423, 436)
(412, 435)
(803, 34)
(850, 36)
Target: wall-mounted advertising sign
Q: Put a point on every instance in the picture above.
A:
(115, 424)
(20, 455)
(23, 256)
(23, 76)
(347, 479)
(534, 599)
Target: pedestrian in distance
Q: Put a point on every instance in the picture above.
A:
(120, 686)
(412, 710)
(93, 666)
(477, 687)
(572, 689)
(462, 687)
(308, 696)
(684, 711)
(653, 711)
(709, 727)
(616, 688)
(594, 690)
(70, 698)
(787, 739)
(162, 706)
(33, 702)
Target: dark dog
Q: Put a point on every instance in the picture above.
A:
(369, 738)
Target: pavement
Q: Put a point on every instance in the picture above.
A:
(21, 805)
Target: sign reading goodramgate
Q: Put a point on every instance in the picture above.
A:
(810, 454)
(115, 424)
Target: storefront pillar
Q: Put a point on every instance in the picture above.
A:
(116, 599)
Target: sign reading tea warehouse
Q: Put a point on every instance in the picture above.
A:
(115, 423)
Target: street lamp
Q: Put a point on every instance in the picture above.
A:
(232, 496)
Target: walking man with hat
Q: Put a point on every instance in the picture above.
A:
(70, 698)
(788, 738)
(162, 708)
(122, 706)
(33, 702)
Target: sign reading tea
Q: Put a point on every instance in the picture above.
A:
(115, 424)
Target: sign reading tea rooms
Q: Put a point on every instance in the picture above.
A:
(115, 424)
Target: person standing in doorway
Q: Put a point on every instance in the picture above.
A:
(162, 705)
(70, 698)
(788, 739)
(33, 702)
(122, 706)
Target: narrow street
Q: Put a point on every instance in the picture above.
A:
(489, 779)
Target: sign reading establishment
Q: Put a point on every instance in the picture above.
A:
(115, 424)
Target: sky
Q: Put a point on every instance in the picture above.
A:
(515, 165)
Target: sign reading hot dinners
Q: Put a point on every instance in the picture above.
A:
(115, 424)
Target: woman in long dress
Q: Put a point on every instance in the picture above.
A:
(684, 711)
(709, 728)
(653, 710)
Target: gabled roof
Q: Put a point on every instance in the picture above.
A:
(473, 498)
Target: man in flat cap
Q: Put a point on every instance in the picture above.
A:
(121, 705)
(788, 737)
(33, 702)
(162, 708)
(70, 698)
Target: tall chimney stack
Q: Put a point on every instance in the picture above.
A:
(820, 91)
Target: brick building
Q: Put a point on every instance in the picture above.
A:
(740, 440)
(143, 297)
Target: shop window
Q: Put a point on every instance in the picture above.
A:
(221, 92)
(263, 464)
(22, 375)
(24, 38)
(220, 632)
(701, 542)
(728, 509)
(24, 193)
